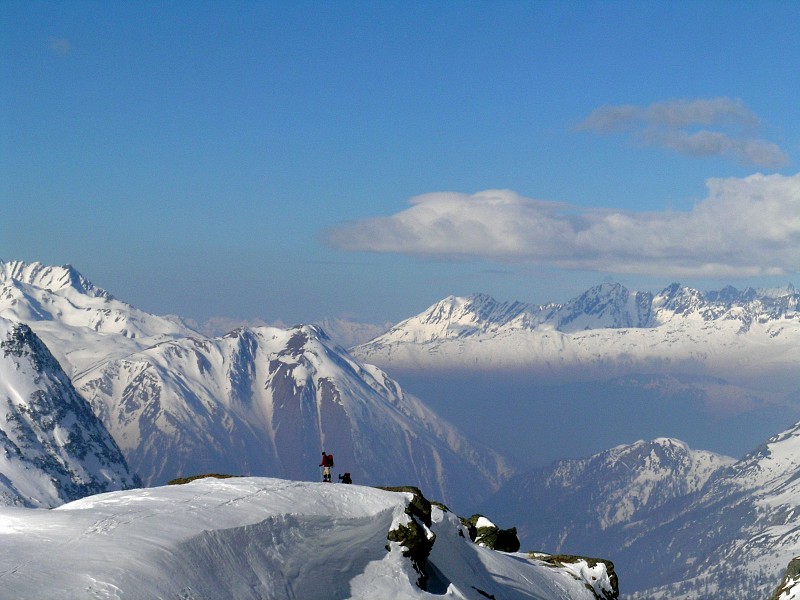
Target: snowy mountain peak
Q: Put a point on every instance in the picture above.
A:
(52, 279)
(475, 309)
(609, 305)
(54, 449)
(596, 503)
(80, 323)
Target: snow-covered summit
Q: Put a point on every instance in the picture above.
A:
(252, 538)
(53, 449)
(80, 323)
(51, 278)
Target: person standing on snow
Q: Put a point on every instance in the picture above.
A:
(326, 464)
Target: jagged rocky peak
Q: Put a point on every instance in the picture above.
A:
(477, 308)
(51, 278)
(731, 295)
(609, 305)
(679, 299)
(54, 449)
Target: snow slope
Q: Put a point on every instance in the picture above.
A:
(54, 449)
(262, 538)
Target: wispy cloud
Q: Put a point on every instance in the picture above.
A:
(60, 46)
(745, 227)
(706, 127)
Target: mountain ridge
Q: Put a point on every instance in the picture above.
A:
(54, 449)
(605, 332)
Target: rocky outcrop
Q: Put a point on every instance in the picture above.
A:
(597, 575)
(482, 531)
(415, 536)
(789, 589)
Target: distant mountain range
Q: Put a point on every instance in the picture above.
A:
(605, 332)
(262, 401)
(679, 523)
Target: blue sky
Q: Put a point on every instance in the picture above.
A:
(291, 161)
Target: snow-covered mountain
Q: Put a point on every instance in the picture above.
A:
(268, 401)
(250, 538)
(54, 449)
(679, 524)
(598, 503)
(602, 494)
(608, 331)
(735, 538)
(257, 401)
(81, 324)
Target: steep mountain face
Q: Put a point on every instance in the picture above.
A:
(735, 538)
(81, 324)
(606, 332)
(254, 538)
(593, 504)
(268, 401)
(679, 524)
(54, 449)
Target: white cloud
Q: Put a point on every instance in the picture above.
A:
(745, 227)
(683, 126)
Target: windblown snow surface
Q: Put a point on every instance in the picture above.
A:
(259, 538)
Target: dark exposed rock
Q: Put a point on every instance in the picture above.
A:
(502, 540)
(182, 480)
(417, 540)
(790, 580)
(560, 560)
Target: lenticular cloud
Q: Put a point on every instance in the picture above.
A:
(745, 227)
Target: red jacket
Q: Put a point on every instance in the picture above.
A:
(327, 460)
